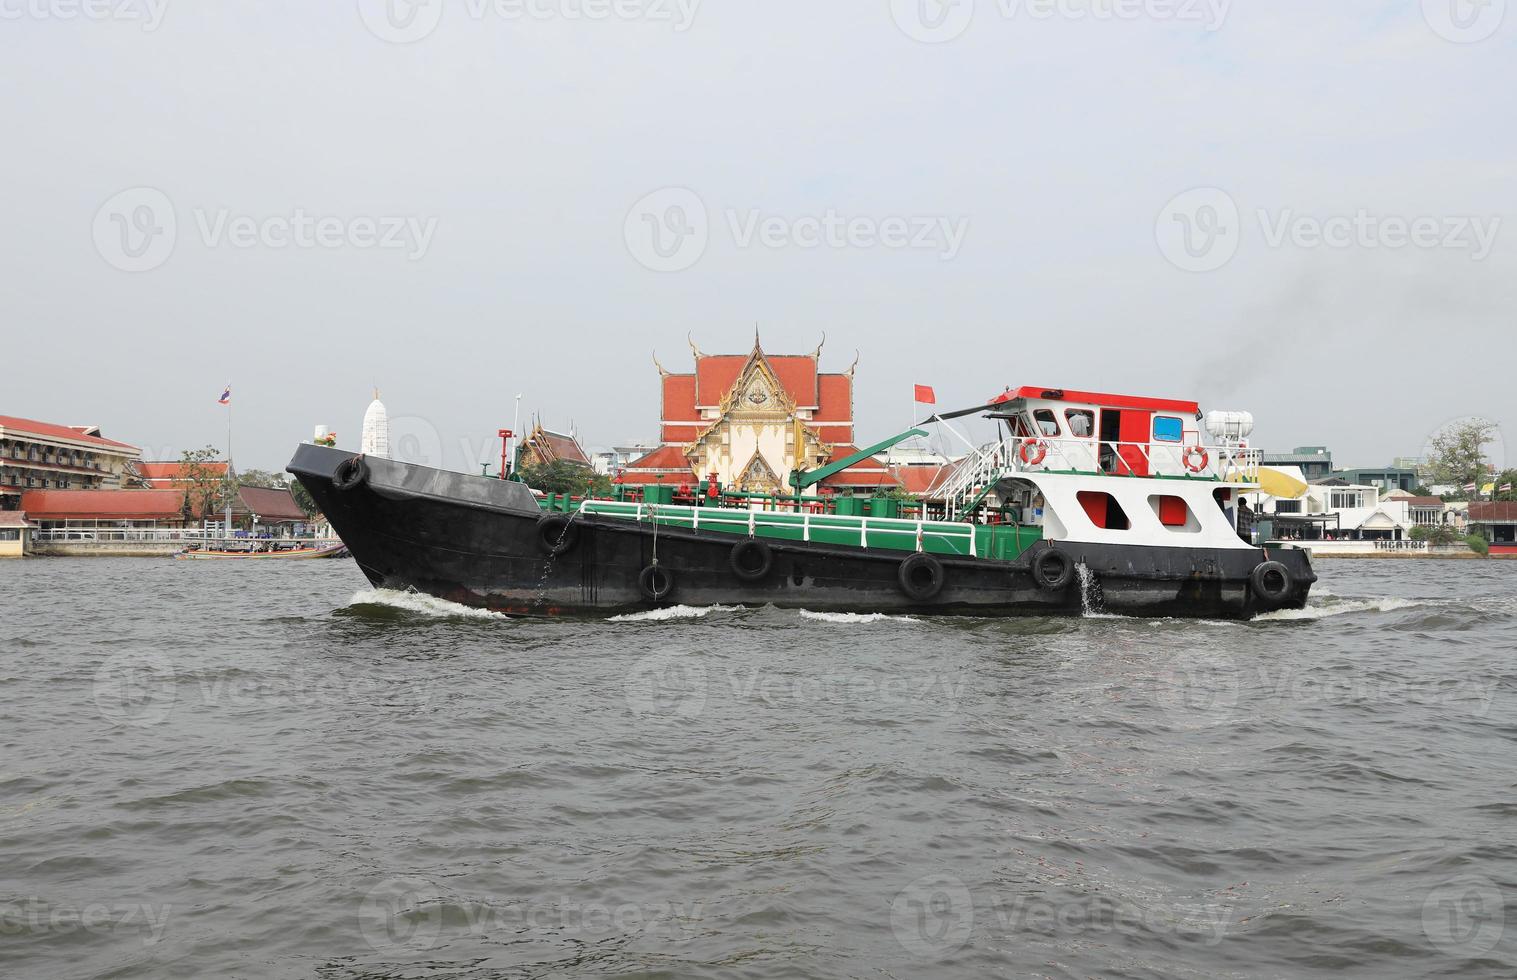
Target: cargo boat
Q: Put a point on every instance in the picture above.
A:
(1084, 501)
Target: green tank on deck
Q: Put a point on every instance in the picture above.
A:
(884, 507)
(850, 506)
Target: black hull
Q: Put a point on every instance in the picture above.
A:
(477, 542)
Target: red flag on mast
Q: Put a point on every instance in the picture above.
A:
(925, 395)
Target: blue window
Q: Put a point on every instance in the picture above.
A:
(1168, 429)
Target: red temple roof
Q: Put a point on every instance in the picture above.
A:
(112, 505)
(273, 505)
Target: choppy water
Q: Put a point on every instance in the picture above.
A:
(218, 769)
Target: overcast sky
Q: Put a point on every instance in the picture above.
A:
(1287, 206)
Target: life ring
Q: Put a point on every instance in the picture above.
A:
(1197, 459)
(920, 576)
(655, 582)
(1053, 570)
(1271, 582)
(351, 473)
(556, 534)
(1032, 453)
(751, 560)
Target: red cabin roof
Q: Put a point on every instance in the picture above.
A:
(1097, 398)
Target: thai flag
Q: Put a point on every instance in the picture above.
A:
(226, 396)
(1469, 488)
(1506, 488)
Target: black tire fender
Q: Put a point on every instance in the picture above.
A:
(921, 576)
(1052, 569)
(656, 582)
(751, 560)
(1271, 582)
(556, 534)
(350, 474)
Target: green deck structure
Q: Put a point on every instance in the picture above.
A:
(996, 541)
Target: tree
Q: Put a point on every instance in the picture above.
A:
(562, 476)
(207, 488)
(262, 478)
(1508, 478)
(303, 498)
(1457, 452)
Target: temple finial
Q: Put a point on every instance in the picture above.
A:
(661, 372)
(694, 349)
(855, 363)
(818, 352)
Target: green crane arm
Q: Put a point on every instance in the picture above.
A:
(801, 479)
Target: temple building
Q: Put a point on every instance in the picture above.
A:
(544, 446)
(752, 419)
(376, 429)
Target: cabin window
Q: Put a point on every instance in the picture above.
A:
(1048, 424)
(1167, 428)
(1103, 510)
(1287, 506)
(1173, 512)
(1081, 421)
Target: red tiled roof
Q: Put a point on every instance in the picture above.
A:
(836, 403)
(798, 375)
(715, 374)
(1422, 501)
(1499, 512)
(14, 518)
(917, 479)
(114, 505)
(48, 430)
(679, 399)
(665, 459)
(553, 446)
(273, 506)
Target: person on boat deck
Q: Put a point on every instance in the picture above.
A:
(1079, 423)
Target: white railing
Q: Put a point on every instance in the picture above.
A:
(1038, 454)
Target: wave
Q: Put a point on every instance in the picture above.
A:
(672, 612)
(1339, 606)
(850, 619)
(420, 604)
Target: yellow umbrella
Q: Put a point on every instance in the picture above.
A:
(1278, 483)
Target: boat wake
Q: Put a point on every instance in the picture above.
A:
(672, 612)
(853, 619)
(1323, 606)
(420, 604)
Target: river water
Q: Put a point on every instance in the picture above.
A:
(221, 769)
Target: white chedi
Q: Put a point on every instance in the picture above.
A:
(376, 429)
